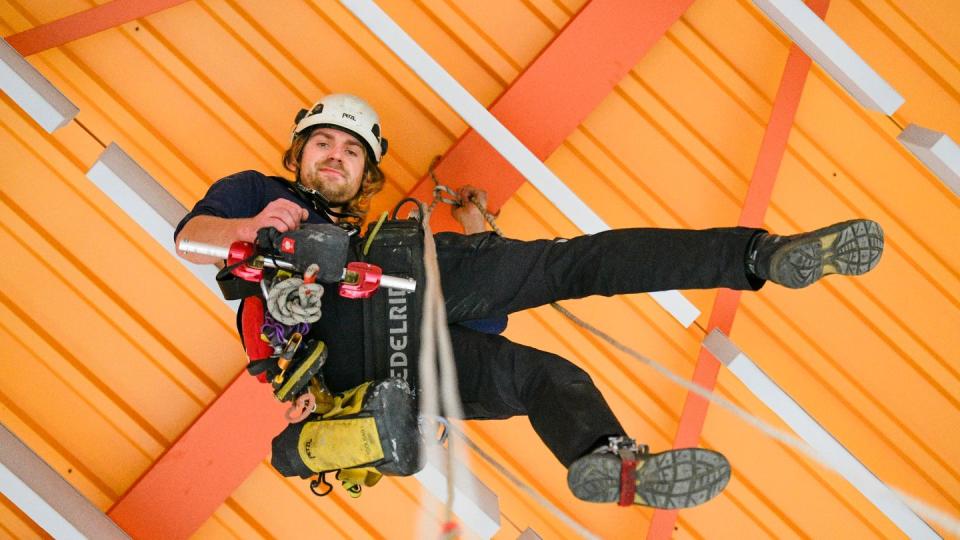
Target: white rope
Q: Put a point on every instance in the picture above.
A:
(559, 514)
(435, 318)
(949, 522)
(292, 301)
(427, 395)
(436, 347)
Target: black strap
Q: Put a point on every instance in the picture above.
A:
(264, 365)
(234, 288)
(320, 480)
(410, 200)
(318, 201)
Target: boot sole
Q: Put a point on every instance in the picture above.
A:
(850, 248)
(669, 480)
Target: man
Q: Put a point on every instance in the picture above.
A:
(334, 155)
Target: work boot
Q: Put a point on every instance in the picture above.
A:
(670, 480)
(850, 248)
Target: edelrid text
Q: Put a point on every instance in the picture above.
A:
(397, 316)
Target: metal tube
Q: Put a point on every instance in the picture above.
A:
(393, 282)
(210, 250)
(200, 248)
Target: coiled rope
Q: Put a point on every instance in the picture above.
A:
(293, 300)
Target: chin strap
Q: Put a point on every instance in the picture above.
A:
(318, 201)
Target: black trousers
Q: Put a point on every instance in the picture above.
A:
(484, 275)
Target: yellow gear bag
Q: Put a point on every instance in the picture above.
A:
(366, 432)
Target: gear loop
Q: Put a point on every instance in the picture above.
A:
(318, 481)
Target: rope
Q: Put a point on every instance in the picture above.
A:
(559, 514)
(276, 332)
(292, 301)
(436, 347)
(949, 522)
(922, 508)
(452, 198)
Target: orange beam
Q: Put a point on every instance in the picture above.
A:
(183, 488)
(564, 84)
(772, 149)
(85, 23)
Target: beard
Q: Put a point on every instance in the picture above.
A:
(338, 193)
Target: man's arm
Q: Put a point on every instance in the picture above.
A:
(280, 214)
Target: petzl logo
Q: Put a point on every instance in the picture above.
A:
(288, 245)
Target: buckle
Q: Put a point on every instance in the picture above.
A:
(625, 445)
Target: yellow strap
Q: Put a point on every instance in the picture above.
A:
(367, 476)
(353, 479)
(348, 402)
(302, 368)
(322, 395)
(376, 229)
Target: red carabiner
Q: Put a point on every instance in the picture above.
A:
(361, 280)
(239, 252)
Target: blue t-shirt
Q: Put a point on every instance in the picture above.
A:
(244, 195)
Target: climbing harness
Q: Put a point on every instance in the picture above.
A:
(369, 430)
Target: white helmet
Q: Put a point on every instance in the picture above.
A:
(349, 113)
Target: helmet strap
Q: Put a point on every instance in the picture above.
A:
(319, 202)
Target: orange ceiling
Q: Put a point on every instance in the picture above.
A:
(113, 348)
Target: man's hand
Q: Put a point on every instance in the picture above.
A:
(281, 214)
(469, 216)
